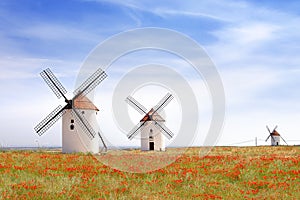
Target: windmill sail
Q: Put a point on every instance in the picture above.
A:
(268, 129)
(135, 129)
(53, 83)
(164, 129)
(85, 125)
(163, 102)
(284, 140)
(274, 128)
(136, 105)
(101, 138)
(272, 138)
(271, 134)
(46, 123)
(88, 85)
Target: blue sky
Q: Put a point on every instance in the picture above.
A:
(255, 46)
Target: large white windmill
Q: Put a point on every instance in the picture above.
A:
(78, 115)
(151, 126)
(275, 137)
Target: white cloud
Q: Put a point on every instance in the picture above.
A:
(58, 32)
(23, 67)
(248, 34)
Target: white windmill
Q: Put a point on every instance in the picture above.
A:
(78, 115)
(275, 137)
(151, 125)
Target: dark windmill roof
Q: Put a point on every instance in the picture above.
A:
(82, 102)
(275, 133)
(150, 116)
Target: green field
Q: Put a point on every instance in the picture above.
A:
(225, 173)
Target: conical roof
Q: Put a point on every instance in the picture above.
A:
(151, 116)
(275, 133)
(82, 102)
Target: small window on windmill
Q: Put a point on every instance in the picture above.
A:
(151, 136)
(72, 125)
(82, 112)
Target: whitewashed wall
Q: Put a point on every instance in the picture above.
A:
(77, 140)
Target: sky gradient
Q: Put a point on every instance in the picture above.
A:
(255, 46)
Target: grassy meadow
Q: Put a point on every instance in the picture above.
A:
(225, 173)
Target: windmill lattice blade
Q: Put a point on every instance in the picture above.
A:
(85, 125)
(46, 123)
(136, 105)
(274, 128)
(89, 84)
(134, 131)
(268, 130)
(165, 130)
(104, 145)
(163, 102)
(284, 140)
(268, 137)
(53, 83)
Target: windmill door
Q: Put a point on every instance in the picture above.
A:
(151, 146)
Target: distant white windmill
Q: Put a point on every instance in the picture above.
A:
(78, 115)
(275, 137)
(151, 125)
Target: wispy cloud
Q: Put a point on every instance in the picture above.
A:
(189, 9)
(58, 32)
(166, 13)
(249, 34)
(15, 68)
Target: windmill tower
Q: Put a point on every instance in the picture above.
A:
(275, 137)
(151, 126)
(78, 115)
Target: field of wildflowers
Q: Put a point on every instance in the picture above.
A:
(225, 173)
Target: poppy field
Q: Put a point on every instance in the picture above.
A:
(224, 173)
